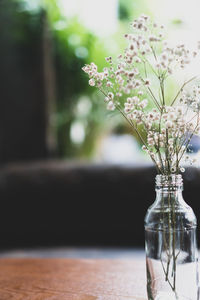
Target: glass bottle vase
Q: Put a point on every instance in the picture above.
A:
(170, 243)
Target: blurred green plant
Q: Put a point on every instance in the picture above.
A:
(127, 9)
(74, 46)
(80, 112)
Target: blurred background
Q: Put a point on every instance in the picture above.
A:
(72, 173)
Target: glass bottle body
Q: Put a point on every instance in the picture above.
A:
(170, 242)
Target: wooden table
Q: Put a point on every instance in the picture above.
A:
(73, 279)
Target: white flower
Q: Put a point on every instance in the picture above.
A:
(190, 126)
(110, 105)
(162, 144)
(153, 38)
(99, 83)
(109, 84)
(118, 94)
(151, 115)
(92, 82)
(156, 117)
(127, 110)
(144, 103)
(94, 67)
(158, 65)
(164, 56)
(168, 124)
(137, 59)
(130, 116)
(136, 71)
(135, 100)
(129, 100)
(100, 76)
(147, 82)
(172, 116)
(137, 83)
(145, 17)
(144, 148)
(170, 71)
(151, 141)
(110, 95)
(179, 110)
(131, 74)
(86, 68)
(108, 59)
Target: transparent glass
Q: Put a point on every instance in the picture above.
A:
(170, 242)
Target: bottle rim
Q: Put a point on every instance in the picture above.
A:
(172, 180)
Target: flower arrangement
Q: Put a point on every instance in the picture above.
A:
(165, 129)
(135, 85)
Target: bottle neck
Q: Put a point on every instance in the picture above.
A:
(169, 189)
(169, 196)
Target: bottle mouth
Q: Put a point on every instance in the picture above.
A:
(172, 180)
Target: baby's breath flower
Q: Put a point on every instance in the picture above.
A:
(109, 84)
(158, 65)
(110, 105)
(153, 38)
(169, 124)
(137, 59)
(147, 82)
(135, 100)
(92, 82)
(151, 141)
(144, 103)
(137, 83)
(110, 95)
(169, 127)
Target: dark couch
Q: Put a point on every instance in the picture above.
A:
(65, 203)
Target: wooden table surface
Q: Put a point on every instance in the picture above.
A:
(73, 279)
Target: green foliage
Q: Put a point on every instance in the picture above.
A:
(128, 9)
(73, 46)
